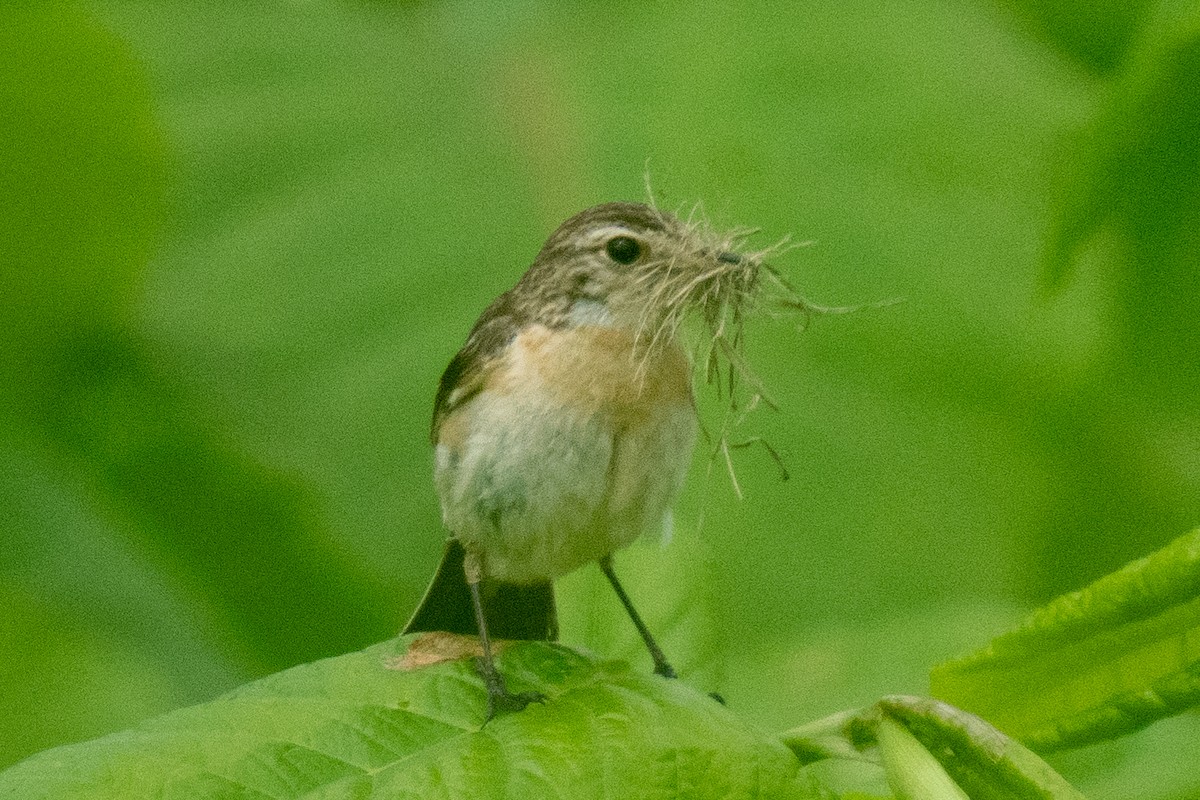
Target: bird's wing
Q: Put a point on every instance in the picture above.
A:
(464, 376)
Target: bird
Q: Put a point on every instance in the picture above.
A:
(563, 428)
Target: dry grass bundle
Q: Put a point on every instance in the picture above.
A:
(724, 283)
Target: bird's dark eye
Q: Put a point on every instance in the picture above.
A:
(623, 249)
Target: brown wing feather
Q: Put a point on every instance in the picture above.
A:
(464, 375)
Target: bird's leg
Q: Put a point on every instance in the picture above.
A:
(661, 667)
(500, 700)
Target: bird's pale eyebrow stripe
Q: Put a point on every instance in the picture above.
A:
(609, 231)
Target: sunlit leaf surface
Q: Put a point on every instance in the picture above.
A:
(362, 726)
(1097, 663)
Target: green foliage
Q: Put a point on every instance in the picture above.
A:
(915, 772)
(1097, 35)
(979, 758)
(926, 749)
(1130, 176)
(83, 179)
(405, 718)
(1094, 664)
(358, 726)
(242, 241)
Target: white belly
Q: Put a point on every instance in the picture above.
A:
(539, 491)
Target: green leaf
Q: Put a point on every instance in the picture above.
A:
(247, 541)
(84, 177)
(368, 725)
(930, 749)
(1135, 169)
(913, 772)
(83, 207)
(980, 759)
(1094, 664)
(1095, 34)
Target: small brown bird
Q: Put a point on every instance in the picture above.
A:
(564, 426)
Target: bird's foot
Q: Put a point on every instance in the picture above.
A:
(500, 700)
(661, 667)
(505, 702)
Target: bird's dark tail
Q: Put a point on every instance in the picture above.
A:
(513, 611)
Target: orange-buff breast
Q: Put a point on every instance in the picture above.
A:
(595, 369)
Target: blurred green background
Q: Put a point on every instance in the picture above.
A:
(239, 242)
